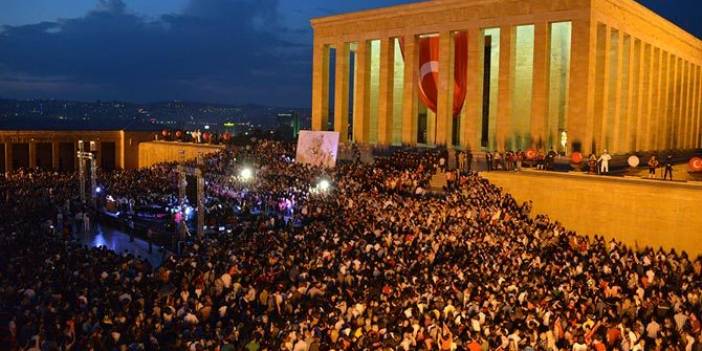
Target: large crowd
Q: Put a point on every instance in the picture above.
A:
(378, 262)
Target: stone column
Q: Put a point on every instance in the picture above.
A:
(602, 82)
(320, 86)
(627, 120)
(665, 103)
(503, 126)
(674, 113)
(55, 154)
(698, 125)
(693, 107)
(649, 97)
(444, 103)
(410, 91)
(689, 106)
(98, 153)
(32, 154)
(8, 156)
(361, 116)
(614, 129)
(341, 92)
(680, 115)
(540, 84)
(385, 93)
(473, 111)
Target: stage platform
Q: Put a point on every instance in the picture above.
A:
(636, 211)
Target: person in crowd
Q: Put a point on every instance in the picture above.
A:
(375, 264)
(592, 164)
(652, 166)
(520, 156)
(540, 161)
(604, 162)
(668, 167)
(551, 160)
(499, 161)
(489, 161)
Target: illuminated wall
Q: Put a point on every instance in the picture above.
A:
(520, 136)
(559, 79)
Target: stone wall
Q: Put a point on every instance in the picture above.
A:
(635, 211)
(154, 152)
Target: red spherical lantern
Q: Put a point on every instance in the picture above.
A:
(531, 154)
(179, 133)
(227, 137)
(165, 133)
(206, 136)
(696, 164)
(576, 158)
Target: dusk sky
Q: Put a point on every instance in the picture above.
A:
(226, 51)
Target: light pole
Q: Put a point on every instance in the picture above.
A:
(183, 172)
(83, 158)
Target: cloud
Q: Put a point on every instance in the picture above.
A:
(214, 50)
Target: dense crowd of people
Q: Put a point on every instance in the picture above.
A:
(378, 262)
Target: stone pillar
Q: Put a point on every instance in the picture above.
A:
(55, 154)
(602, 81)
(8, 157)
(444, 103)
(385, 93)
(505, 88)
(32, 154)
(665, 102)
(649, 98)
(680, 115)
(341, 92)
(410, 91)
(698, 115)
(473, 111)
(361, 115)
(627, 120)
(693, 107)
(688, 106)
(98, 153)
(540, 84)
(675, 104)
(618, 98)
(677, 132)
(320, 86)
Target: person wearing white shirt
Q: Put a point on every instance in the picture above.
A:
(604, 162)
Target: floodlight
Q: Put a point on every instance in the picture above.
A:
(323, 185)
(246, 174)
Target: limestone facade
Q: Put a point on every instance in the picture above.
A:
(637, 212)
(573, 75)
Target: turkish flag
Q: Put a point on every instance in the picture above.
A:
(429, 71)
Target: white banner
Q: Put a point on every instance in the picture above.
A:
(317, 148)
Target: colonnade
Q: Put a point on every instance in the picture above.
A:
(62, 155)
(646, 97)
(572, 76)
(56, 150)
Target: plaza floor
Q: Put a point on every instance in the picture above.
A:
(119, 242)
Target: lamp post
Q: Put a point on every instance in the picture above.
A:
(83, 158)
(183, 172)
